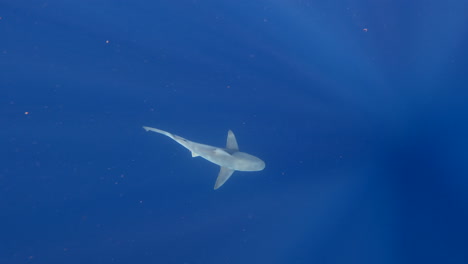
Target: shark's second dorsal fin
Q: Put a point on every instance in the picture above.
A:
(231, 142)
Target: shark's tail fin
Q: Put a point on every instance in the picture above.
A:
(158, 131)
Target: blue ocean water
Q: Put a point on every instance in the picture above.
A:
(358, 108)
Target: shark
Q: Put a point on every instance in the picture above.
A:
(230, 159)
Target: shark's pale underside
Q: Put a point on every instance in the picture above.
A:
(230, 158)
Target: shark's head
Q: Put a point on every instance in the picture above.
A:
(258, 164)
(247, 162)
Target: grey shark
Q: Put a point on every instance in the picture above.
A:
(229, 158)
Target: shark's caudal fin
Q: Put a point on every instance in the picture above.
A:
(176, 138)
(223, 176)
(231, 142)
(158, 131)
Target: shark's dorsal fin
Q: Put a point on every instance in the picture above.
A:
(223, 176)
(231, 142)
(220, 152)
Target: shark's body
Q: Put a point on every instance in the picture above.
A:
(230, 158)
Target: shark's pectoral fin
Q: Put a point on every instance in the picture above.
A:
(231, 142)
(194, 155)
(223, 176)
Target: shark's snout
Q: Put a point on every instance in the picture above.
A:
(247, 162)
(261, 165)
(258, 165)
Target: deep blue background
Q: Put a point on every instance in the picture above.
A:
(364, 133)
